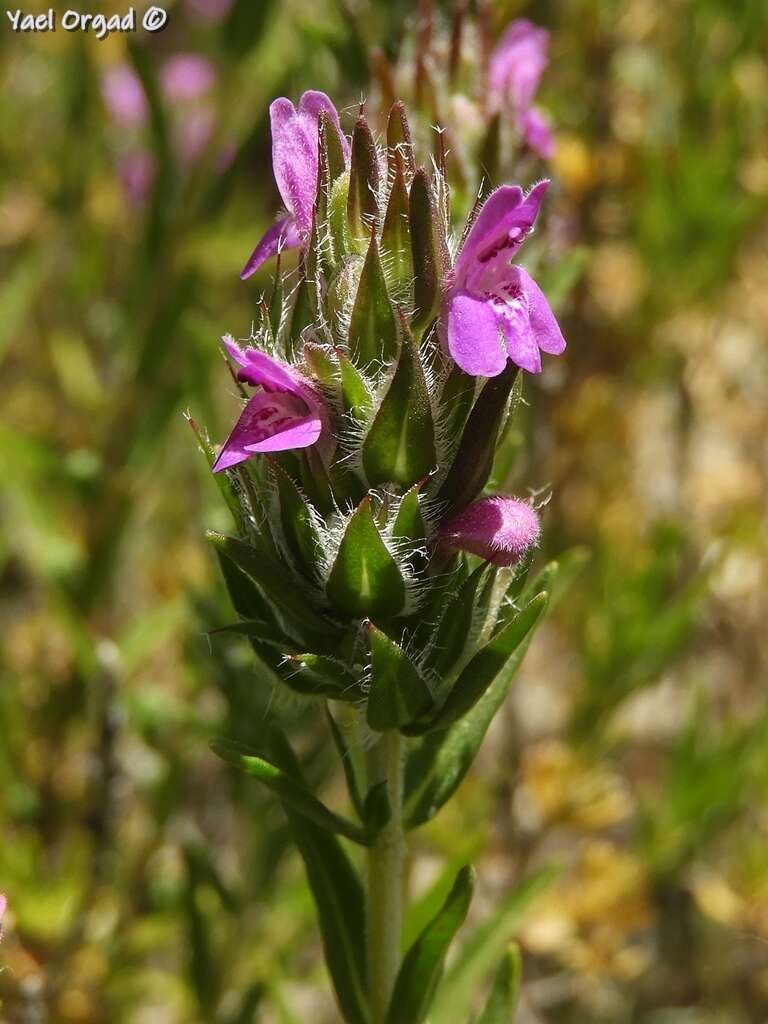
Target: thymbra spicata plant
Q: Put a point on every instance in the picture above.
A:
(367, 567)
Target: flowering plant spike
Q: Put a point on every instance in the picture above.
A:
(366, 566)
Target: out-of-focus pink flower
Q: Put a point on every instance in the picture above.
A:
(124, 95)
(186, 76)
(498, 529)
(294, 162)
(211, 10)
(516, 67)
(494, 311)
(136, 170)
(287, 413)
(3, 905)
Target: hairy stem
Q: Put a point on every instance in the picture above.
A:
(385, 878)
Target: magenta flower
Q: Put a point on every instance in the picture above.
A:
(494, 311)
(516, 66)
(294, 162)
(287, 413)
(498, 529)
(3, 905)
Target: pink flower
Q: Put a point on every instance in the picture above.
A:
(124, 95)
(186, 76)
(287, 413)
(294, 162)
(493, 310)
(3, 905)
(516, 66)
(498, 529)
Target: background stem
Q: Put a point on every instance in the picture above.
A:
(385, 878)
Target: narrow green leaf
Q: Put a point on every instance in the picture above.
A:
(282, 591)
(339, 896)
(502, 1000)
(397, 694)
(365, 579)
(292, 793)
(372, 328)
(436, 767)
(426, 252)
(487, 663)
(484, 947)
(400, 445)
(423, 964)
(455, 626)
(362, 203)
(473, 462)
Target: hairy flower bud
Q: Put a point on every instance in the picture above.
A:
(498, 529)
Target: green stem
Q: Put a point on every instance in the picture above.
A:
(385, 878)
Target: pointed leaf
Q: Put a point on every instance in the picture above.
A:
(455, 625)
(400, 445)
(365, 579)
(396, 234)
(487, 663)
(423, 964)
(399, 137)
(372, 328)
(292, 793)
(426, 251)
(500, 1008)
(362, 203)
(436, 767)
(473, 462)
(397, 694)
(274, 581)
(484, 947)
(339, 896)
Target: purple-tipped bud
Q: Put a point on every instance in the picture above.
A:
(498, 529)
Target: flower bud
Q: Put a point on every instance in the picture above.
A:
(498, 529)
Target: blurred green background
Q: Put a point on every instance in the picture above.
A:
(145, 883)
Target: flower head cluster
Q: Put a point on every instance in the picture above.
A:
(383, 370)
